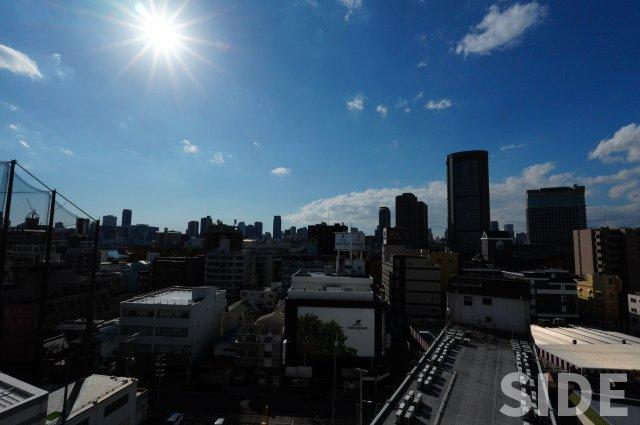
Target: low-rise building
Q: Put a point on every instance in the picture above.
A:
(265, 299)
(98, 400)
(21, 403)
(179, 322)
(171, 271)
(259, 351)
(489, 302)
(634, 313)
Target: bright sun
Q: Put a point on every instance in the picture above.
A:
(159, 30)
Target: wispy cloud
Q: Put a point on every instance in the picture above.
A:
(438, 105)
(352, 7)
(13, 127)
(18, 63)
(418, 96)
(24, 144)
(356, 104)
(422, 64)
(188, 147)
(12, 107)
(403, 105)
(59, 68)
(624, 145)
(510, 147)
(68, 152)
(256, 144)
(382, 110)
(501, 29)
(281, 171)
(217, 159)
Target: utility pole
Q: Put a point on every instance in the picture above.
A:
(333, 398)
(44, 292)
(4, 236)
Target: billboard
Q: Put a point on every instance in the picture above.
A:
(319, 328)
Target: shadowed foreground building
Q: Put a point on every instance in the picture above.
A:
(553, 213)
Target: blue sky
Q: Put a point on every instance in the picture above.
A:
(321, 109)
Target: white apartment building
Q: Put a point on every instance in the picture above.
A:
(176, 320)
(231, 271)
(21, 403)
(99, 400)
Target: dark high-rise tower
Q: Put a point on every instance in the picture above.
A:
(277, 227)
(126, 218)
(410, 218)
(258, 229)
(467, 200)
(384, 217)
(553, 213)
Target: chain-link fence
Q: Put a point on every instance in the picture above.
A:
(48, 265)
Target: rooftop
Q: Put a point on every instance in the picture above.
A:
(588, 348)
(14, 392)
(176, 295)
(83, 393)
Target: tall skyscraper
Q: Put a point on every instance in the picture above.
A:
(277, 227)
(126, 218)
(205, 223)
(494, 226)
(423, 224)
(467, 200)
(509, 228)
(192, 228)
(258, 229)
(410, 218)
(109, 221)
(553, 213)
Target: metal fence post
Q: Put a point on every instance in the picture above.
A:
(3, 240)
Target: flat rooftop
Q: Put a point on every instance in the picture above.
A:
(14, 392)
(588, 348)
(173, 296)
(94, 388)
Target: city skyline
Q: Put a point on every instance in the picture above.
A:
(265, 103)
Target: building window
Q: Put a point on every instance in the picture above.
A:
(488, 319)
(563, 298)
(563, 308)
(468, 300)
(487, 301)
(122, 401)
(172, 331)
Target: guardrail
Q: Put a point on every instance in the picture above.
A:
(445, 398)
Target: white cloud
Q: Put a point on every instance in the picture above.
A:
(68, 152)
(403, 105)
(422, 64)
(217, 159)
(356, 104)
(14, 127)
(281, 171)
(24, 144)
(395, 143)
(13, 107)
(382, 110)
(625, 144)
(61, 70)
(438, 105)
(352, 6)
(501, 29)
(188, 147)
(256, 144)
(510, 147)
(18, 63)
(418, 96)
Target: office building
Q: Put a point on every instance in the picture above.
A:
(99, 400)
(384, 217)
(553, 213)
(205, 223)
(168, 239)
(392, 243)
(449, 265)
(467, 200)
(614, 251)
(277, 227)
(109, 221)
(321, 238)
(264, 299)
(412, 286)
(126, 217)
(598, 300)
(410, 219)
(193, 228)
(521, 238)
(219, 232)
(494, 226)
(554, 294)
(178, 321)
(21, 403)
(232, 271)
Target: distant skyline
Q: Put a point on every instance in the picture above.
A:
(320, 110)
